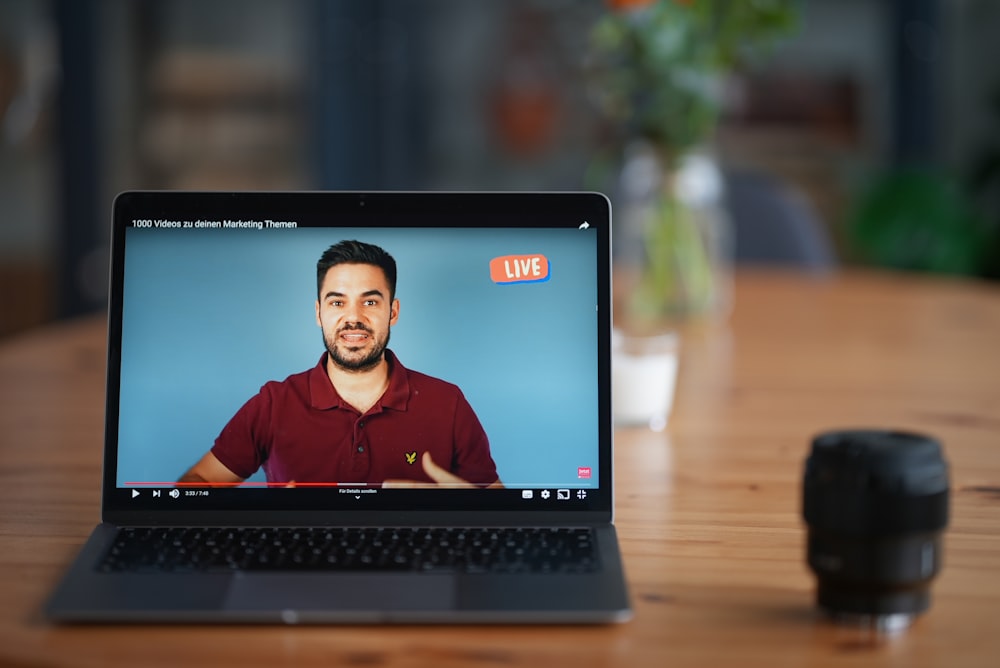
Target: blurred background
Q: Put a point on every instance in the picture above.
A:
(872, 125)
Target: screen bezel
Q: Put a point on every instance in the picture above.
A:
(375, 209)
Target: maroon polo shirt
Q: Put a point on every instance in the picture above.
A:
(300, 430)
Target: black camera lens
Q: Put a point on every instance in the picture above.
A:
(876, 505)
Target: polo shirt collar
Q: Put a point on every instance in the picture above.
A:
(323, 395)
(398, 392)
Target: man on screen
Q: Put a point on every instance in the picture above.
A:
(359, 416)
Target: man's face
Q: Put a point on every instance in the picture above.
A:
(355, 313)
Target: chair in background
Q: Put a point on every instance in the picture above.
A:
(774, 224)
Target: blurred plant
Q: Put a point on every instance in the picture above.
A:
(919, 218)
(657, 65)
(656, 72)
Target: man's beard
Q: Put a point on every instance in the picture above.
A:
(369, 361)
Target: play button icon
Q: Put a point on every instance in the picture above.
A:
(135, 493)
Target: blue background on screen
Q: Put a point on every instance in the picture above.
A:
(207, 321)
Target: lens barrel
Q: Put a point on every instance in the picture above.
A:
(876, 505)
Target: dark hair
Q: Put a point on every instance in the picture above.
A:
(356, 252)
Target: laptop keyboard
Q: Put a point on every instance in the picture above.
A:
(456, 550)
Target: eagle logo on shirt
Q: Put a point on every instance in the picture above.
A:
(411, 457)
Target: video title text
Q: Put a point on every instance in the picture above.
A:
(201, 224)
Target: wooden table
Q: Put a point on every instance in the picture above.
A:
(708, 511)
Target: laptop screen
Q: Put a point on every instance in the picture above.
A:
(263, 355)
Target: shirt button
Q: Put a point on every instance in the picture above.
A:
(361, 448)
(361, 425)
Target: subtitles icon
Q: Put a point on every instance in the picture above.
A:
(527, 494)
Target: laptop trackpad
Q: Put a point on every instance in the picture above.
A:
(341, 592)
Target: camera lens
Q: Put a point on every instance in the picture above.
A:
(876, 504)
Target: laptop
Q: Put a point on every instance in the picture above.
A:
(293, 436)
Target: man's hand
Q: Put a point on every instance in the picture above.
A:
(440, 476)
(210, 471)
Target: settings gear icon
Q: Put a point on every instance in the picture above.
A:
(546, 493)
